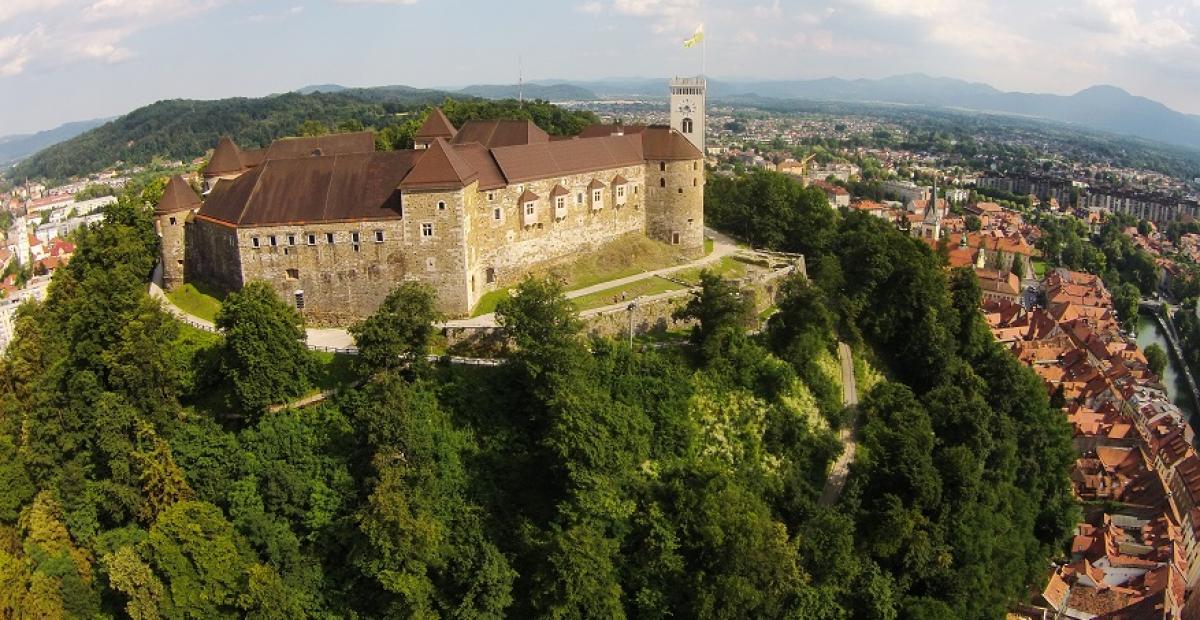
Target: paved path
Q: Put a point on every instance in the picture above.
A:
(848, 435)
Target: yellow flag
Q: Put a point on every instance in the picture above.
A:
(697, 36)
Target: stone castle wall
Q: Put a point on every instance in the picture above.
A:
(469, 252)
(675, 203)
(503, 250)
(212, 255)
(171, 230)
(329, 282)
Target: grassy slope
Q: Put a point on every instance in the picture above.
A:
(629, 255)
(195, 301)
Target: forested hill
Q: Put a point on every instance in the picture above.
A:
(182, 129)
(143, 473)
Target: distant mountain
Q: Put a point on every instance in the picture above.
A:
(1106, 108)
(15, 147)
(321, 88)
(548, 92)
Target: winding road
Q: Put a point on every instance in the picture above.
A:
(849, 433)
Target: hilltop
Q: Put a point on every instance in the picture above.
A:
(181, 129)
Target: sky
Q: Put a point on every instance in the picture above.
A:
(67, 60)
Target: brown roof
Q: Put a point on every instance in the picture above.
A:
(358, 186)
(436, 125)
(439, 167)
(527, 196)
(332, 144)
(559, 190)
(666, 144)
(177, 196)
(563, 157)
(226, 158)
(480, 158)
(494, 134)
(595, 184)
(620, 180)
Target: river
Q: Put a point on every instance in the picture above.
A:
(1149, 332)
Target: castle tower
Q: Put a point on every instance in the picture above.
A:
(178, 202)
(687, 109)
(674, 189)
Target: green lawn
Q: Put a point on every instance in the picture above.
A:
(627, 256)
(645, 286)
(1039, 268)
(729, 267)
(487, 303)
(333, 370)
(197, 302)
(708, 246)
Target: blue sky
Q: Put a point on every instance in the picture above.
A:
(64, 60)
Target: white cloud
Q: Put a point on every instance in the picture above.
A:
(68, 31)
(269, 17)
(666, 15)
(14, 50)
(595, 8)
(12, 8)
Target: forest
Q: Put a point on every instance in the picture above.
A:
(181, 129)
(581, 478)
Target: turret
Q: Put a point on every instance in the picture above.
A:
(674, 189)
(178, 202)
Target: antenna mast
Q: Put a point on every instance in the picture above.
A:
(520, 82)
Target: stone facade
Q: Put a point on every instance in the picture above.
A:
(171, 230)
(212, 255)
(675, 203)
(335, 229)
(504, 245)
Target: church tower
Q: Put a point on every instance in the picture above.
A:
(687, 109)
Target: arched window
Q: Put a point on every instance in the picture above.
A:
(687, 125)
(662, 166)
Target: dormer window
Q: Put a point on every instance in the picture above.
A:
(597, 198)
(529, 215)
(560, 207)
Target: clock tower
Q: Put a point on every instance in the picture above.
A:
(687, 109)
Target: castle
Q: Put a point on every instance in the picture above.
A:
(334, 225)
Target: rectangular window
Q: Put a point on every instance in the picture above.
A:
(291, 239)
(491, 196)
(497, 214)
(529, 208)
(312, 239)
(172, 221)
(579, 198)
(379, 236)
(254, 242)
(274, 242)
(329, 238)
(299, 300)
(427, 230)
(596, 195)
(354, 237)
(293, 274)
(620, 191)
